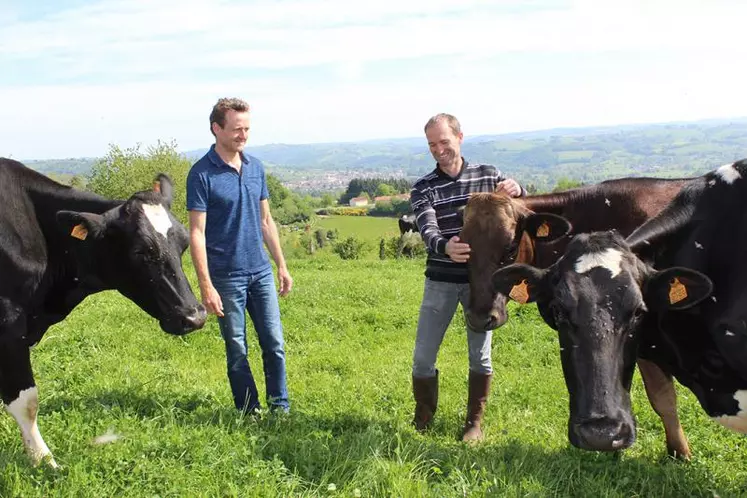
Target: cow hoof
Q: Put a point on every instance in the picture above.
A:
(473, 435)
(48, 460)
(681, 455)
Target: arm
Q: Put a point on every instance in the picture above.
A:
(509, 185)
(210, 297)
(425, 218)
(272, 241)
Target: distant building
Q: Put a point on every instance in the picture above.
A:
(359, 201)
(390, 198)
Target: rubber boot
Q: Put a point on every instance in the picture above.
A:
(425, 392)
(479, 388)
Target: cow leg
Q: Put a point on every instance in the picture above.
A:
(20, 397)
(663, 398)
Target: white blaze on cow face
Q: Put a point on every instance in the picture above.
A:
(158, 217)
(736, 422)
(728, 173)
(609, 259)
(24, 410)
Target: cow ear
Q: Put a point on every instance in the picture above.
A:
(546, 227)
(676, 289)
(81, 226)
(163, 185)
(522, 283)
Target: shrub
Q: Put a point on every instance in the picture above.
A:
(121, 172)
(321, 238)
(350, 248)
(409, 245)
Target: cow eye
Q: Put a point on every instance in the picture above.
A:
(639, 312)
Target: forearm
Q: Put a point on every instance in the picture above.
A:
(425, 218)
(199, 259)
(272, 241)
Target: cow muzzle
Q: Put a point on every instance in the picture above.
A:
(484, 322)
(186, 321)
(602, 433)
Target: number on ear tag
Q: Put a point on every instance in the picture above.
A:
(79, 232)
(677, 291)
(543, 230)
(520, 292)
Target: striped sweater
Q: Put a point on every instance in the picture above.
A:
(435, 200)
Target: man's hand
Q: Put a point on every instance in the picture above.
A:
(212, 301)
(510, 186)
(285, 281)
(457, 251)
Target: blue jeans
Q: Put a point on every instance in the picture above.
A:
(440, 301)
(256, 294)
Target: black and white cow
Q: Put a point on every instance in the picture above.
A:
(407, 224)
(682, 312)
(59, 245)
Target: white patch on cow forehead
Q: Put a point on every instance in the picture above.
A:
(609, 259)
(728, 173)
(736, 422)
(158, 217)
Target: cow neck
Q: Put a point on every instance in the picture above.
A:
(54, 197)
(553, 203)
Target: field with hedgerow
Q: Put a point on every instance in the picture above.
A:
(164, 405)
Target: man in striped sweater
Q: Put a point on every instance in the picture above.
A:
(436, 199)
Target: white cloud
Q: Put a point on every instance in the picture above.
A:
(131, 37)
(126, 71)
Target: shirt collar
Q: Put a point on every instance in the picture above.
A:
(441, 173)
(218, 161)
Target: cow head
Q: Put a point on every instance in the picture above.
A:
(596, 296)
(136, 248)
(500, 231)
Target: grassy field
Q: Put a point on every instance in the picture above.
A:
(370, 228)
(349, 331)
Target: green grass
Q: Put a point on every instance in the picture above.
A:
(368, 228)
(349, 332)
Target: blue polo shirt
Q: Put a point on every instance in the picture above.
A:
(233, 226)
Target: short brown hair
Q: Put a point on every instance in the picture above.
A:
(450, 120)
(218, 114)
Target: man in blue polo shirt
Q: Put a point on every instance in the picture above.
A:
(229, 218)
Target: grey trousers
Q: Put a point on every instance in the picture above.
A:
(440, 300)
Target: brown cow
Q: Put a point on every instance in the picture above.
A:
(502, 230)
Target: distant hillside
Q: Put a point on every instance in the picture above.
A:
(538, 157)
(62, 167)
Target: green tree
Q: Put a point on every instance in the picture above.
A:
(122, 172)
(564, 183)
(78, 182)
(384, 189)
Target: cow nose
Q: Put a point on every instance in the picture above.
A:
(603, 434)
(196, 318)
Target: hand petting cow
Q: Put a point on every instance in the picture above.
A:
(671, 295)
(59, 245)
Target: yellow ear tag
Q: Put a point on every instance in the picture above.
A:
(520, 292)
(79, 232)
(543, 230)
(677, 291)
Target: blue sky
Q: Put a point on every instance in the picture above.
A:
(78, 75)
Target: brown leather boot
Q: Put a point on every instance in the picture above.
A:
(479, 388)
(425, 392)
